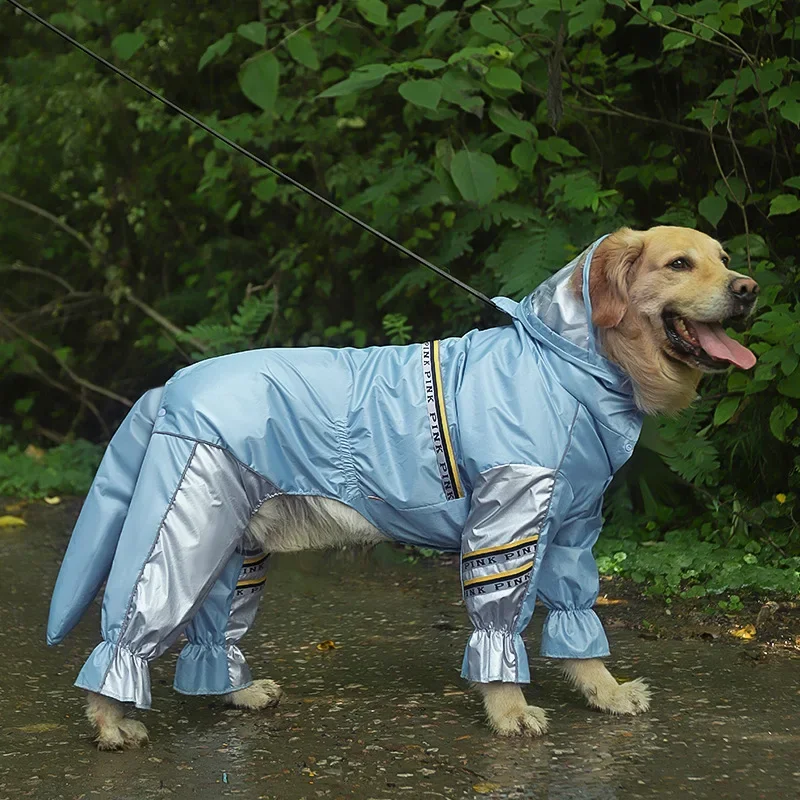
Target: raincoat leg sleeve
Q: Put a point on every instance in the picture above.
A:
(96, 534)
(513, 511)
(568, 588)
(212, 663)
(188, 515)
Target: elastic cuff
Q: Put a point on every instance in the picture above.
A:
(115, 672)
(211, 669)
(493, 655)
(573, 633)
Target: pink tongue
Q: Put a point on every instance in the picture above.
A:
(717, 343)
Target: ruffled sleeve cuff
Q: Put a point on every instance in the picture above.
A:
(115, 672)
(573, 633)
(211, 669)
(495, 655)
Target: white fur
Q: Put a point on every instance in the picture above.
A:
(287, 524)
(601, 690)
(507, 712)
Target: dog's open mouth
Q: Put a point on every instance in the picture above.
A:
(705, 343)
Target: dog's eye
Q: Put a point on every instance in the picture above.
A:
(725, 261)
(680, 263)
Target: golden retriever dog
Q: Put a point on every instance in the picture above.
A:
(659, 298)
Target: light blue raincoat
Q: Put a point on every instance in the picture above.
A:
(498, 444)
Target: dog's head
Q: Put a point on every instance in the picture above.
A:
(660, 298)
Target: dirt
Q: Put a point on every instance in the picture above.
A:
(383, 713)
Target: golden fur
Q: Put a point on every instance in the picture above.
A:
(632, 284)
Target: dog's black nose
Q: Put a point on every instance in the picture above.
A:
(744, 290)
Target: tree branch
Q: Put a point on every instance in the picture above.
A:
(47, 215)
(92, 387)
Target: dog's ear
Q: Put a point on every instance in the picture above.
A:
(613, 265)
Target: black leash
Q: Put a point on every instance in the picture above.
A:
(274, 170)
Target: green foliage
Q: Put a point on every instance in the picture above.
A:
(683, 565)
(496, 139)
(65, 469)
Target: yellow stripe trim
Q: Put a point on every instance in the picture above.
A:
(500, 576)
(254, 582)
(437, 370)
(254, 560)
(505, 547)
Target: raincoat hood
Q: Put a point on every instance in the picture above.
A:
(561, 323)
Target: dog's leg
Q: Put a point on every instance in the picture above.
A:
(115, 731)
(260, 694)
(601, 690)
(508, 713)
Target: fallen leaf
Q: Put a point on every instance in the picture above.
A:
(608, 601)
(328, 644)
(461, 738)
(747, 632)
(485, 788)
(34, 452)
(52, 501)
(8, 521)
(13, 508)
(40, 727)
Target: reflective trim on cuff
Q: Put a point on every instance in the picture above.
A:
(493, 655)
(573, 633)
(211, 669)
(115, 672)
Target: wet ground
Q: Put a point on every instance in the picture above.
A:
(384, 714)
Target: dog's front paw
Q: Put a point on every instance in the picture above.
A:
(525, 721)
(258, 695)
(627, 698)
(123, 734)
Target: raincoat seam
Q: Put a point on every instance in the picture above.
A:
(556, 475)
(124, 627)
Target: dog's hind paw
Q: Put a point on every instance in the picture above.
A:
(258, 695)
(626, 699)
(527, 721)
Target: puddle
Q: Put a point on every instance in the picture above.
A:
(384, 714)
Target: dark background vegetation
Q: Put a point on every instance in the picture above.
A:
(496, 139)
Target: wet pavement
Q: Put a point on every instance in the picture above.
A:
(384, 714)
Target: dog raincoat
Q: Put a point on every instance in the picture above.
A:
(498, 444)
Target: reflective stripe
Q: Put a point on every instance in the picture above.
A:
(499, 576)
(499, 551)
(437, 419)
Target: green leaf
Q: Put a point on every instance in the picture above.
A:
(329, 17)
(255, 32)
(125, 45)
(712, 208)
(504, 117)
(265, 189)
(233, 211)
(365, 77)
(423, 93)
(475, 176)
(504, 78)
(675, 40)
(725, 409)
(409, 15)
(793, 183)
(524, 156)
(784, 204)
(440, 21)
(302, 50)
(215, 50)
(258, 79)
(782, 416)
(485, 23)
(374, 11)
(790, 386)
